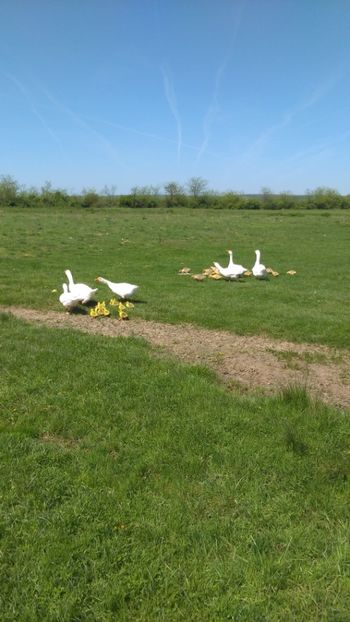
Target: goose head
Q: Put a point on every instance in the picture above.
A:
(101, 279)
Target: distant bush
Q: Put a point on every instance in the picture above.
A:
(324, 198)
(233, 200)
(252, 202)
(90, 198)
(197, 196)
(9, 191)
(174, 195)
(142, 196)
(29, 198)
(285, 200)
(126, 200)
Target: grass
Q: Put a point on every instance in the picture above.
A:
(135, 488)
(149, 246)
(295, 360)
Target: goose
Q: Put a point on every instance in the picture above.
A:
(123, 290)
(82, 292)
(233, 270)
(235, 267)
(226, 273)
(68, 299)
(259, 270)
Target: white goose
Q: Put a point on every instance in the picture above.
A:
(259, 270)
(68, 299)
(226, 272)
(123, 290)
(235, 268)
(81, 292)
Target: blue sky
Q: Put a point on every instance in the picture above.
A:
(244, 93)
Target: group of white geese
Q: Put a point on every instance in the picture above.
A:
(234, 271)
(75, 294)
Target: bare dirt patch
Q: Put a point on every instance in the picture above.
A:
(249, 362)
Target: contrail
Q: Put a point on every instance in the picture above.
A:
(263, 139)
(35, 111)
(171, 99)
(213, 109)
(318, 94)
(296, 163)
(77, 118)
(133, 130)
(322, 90)
(317, 149)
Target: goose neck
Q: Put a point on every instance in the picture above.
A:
(70, 278)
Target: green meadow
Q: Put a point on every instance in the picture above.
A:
(136, 488)
(147, 247)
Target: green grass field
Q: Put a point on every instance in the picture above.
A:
(135, 488)
(149, 246)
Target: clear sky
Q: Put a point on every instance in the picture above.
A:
(244, 93)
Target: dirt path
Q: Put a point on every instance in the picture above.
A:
(250, 362)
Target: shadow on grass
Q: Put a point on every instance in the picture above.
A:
(84, 309)
(91, 303)
(78, 311)
(298, 399)
(293, 440)
(138, 302)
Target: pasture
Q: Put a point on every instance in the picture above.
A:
(135, 487)
(147, 247)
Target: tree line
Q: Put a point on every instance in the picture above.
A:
(194, 194)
